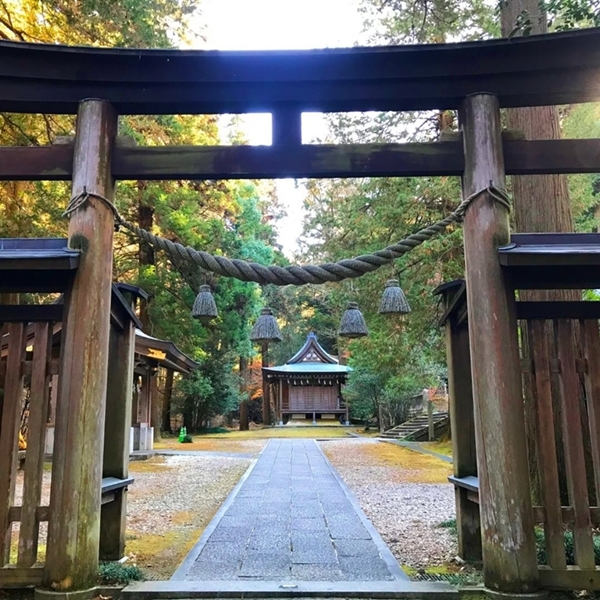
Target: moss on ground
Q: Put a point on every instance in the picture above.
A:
(155, 464)
(439, 447)
(410, 466)
(203, 441)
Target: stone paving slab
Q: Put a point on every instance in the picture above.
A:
(292, 519)
(259, 590)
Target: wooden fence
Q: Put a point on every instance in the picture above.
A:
(26, 368)
(560, 360)
(559, 344)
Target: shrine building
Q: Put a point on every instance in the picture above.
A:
(309, 384)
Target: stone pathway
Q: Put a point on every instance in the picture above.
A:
(292, 519)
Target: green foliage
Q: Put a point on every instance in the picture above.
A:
(571, 14)
(583, 121)
(402, 355)
(212, 430)
(117, 573)
(540, 544)
(421, 21)
(450, 525)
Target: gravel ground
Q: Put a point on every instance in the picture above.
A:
(167, 486)
(171, 502)
(406, 515)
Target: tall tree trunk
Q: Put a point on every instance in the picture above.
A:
(541, 204)
(155, 406)
(166, 415)
(244, 425)
(266, 406)
(146, 252)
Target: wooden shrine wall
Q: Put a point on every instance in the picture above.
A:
(309, 398)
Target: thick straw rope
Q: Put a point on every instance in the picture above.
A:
(291, 275)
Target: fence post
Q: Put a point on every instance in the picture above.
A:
(430, 423)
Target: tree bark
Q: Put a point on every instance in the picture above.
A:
(146, 252)
(266, 406)
(244, 425)
(166, 416)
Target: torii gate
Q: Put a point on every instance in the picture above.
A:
(478, 78)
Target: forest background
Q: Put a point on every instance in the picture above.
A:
(343, 217)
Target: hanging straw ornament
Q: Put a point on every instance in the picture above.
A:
(353, 323)
(204, 307)
(265, 329)
(393, 300)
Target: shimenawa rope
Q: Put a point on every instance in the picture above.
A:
(290, 275)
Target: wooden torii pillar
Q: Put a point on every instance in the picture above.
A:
(74, 525)
(509, 554)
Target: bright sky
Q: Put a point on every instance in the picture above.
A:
(280, 25)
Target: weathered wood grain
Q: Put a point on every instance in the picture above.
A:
(9, 432)
(546, 445)
(288, 158)
(572, 578)
(591, 341)
(74, 527)
(573, 446)
(17, 577)
(509, 554)
(34, 462)
(117, 430)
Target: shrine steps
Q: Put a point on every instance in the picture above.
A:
(416, 429)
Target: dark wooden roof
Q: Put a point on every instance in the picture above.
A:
(165, 353)
(552, 260)
(544, 261)
(538, 70)
(312, 352)
(36, 264)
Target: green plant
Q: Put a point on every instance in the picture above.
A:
(211, 430)
(450, 525)
(540, 543)
(117, 573)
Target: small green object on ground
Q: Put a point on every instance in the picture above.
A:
(114, 572)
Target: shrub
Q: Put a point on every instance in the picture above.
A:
(117, 573)
(210, 430)
(540, 543)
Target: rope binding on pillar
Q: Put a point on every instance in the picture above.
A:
(349, 268)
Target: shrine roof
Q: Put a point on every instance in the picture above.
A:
(310, 359)
(307, 368)
(313, 352)
(164, 352)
